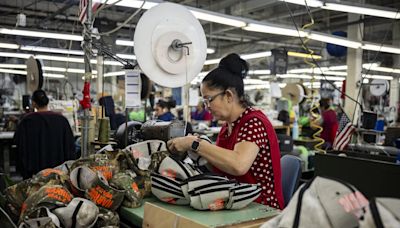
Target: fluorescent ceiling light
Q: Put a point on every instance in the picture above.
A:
(248, 81)
(361, 10)
(335, 73)
(251, 72)
(210, 51)
(334, 40)
(52, 50)
(15, 55)
(14, 66)
(21, 72)
(217, 18)
(382, 69)
(204, 73)
(117, 73)
(330, 78)
(124, 42)
(294, 76)
(264, 76)
(211, 61)
(342, 67)
(253, 87)
(310, 3)
(51, 35)
(303, 55)
(384, 77)
(126, 56)
(48, 75)
(9, 45)
(382, 48)
(274, 30)
(256, 55)
(131, 4)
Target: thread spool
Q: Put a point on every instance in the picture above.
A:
(104, 130)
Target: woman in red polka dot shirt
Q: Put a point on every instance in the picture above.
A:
(247, 147)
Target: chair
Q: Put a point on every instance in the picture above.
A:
(291, 173)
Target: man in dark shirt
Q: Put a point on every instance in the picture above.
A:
(44, 138)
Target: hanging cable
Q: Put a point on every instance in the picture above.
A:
(316, 118)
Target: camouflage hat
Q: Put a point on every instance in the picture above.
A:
(16, 195)
(98, 162)
(83, 178)
(107, 218)
(66, 166)
(43, 222)
(79, 213)
(51, 196)
(40, 217)
(103, 195)
(126, 181)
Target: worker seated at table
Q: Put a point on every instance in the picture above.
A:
(247, 148)
(163, 110)
(201, 115)
(44, 138)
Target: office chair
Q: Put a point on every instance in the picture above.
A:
(291, 173)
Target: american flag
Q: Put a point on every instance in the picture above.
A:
(344, 132)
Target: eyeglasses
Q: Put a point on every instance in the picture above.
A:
(208, 100)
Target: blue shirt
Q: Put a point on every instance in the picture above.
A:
(168, 116)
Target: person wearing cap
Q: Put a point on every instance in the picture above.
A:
(44, 138)
(247, 148)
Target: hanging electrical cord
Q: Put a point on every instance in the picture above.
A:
(316, 63)
(120, 26)
(316, 118)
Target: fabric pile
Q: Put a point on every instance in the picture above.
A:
(86, 192)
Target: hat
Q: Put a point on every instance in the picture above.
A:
(79, 213)
(83, 178)
(104, 195)
(50, 196)
(40, 217)
(176, 169)
(242, 195)
(126, 181)
(167, 189)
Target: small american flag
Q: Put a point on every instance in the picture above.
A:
(344, 132)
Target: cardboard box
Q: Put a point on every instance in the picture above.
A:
(163, 215)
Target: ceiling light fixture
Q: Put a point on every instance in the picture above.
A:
(51, 35)
(256, 55)
(9, 45)
(51, 50)
(361, 10)
(216, 17)
(124, 42)
(334, 40)
(311, 3)
(273, 29)
(382, 48)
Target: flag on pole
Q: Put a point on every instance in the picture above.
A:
(83, 4)
(344, 133)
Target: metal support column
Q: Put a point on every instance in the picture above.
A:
(87, 48)
(394, 84)
(354, 68)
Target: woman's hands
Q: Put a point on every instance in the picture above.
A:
(181, 144)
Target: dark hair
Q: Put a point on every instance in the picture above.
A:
(40, 98)
(166, 104)
(229, 75)
(324, 103)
